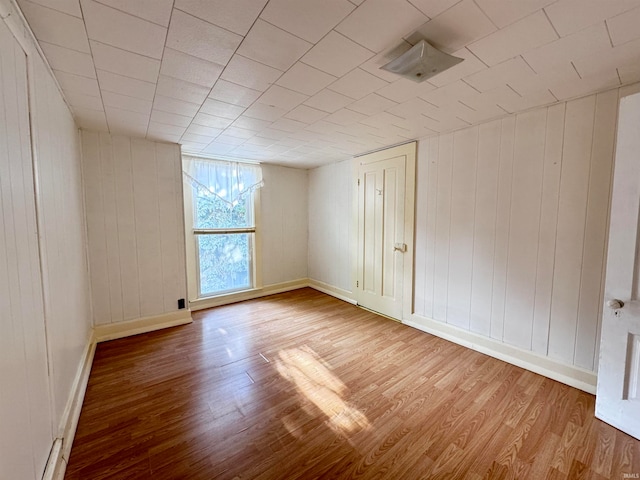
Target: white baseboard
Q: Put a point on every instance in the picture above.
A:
(339, 293)
(61, 448)
(248, 294)
(567, 374)
(112, 331)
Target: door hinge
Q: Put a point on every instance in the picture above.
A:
(357, 284)
(358, 182)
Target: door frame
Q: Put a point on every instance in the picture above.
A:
(409, 151)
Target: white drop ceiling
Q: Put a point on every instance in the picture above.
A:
(297, 82)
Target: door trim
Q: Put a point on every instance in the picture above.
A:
(409, 151)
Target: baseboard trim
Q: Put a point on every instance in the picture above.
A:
(112, 331)
(567, 374)
(248, 294)
(61, 448)
(339, 293)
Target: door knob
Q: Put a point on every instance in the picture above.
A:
(615, 304)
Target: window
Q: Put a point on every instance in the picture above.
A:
(220, 200)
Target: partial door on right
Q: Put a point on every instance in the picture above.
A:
(618, 391)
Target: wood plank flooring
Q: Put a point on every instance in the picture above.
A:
(303, 386)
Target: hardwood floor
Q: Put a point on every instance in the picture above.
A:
(303, 386)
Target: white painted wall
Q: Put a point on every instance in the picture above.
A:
(283, 224)
(511, 222)
(44, 306)
(62, 228)
(331, 225)
(133, 195)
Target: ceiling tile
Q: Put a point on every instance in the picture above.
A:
(520, 37)
(262, 111)
(624, 27)
(528, 86)
(191, 147)
(431, 8)
(282, 98)
(117, 116)
(402, 90)
(221, 109)
(160, 130)
(91, 119)
(239, 132)
(217, 148)
(569, 16)
(77, 83)
(123, 102)
(121, 30)
(622, 56)
(629, 73)
(248, 73)
(453, 92)
(511, 70)
(305, 114)
(249, 123)
(156, 11)
(170, 118)
(288, 125)
(567, 49)
(336, 54)
(211, 121)
(236, 16)
(55, 27)
(260, 141)
(70, 7)
(229, 139)
(174, 105)
(305, 79)
(70, 61)
(504, 13)
(194, 138)
(372, 104)
(345, 117)
(357, 84)
(195, 129)
(328, 101)
(455, 28)
(181, 90)
(201, 39)
(233, 93)
(468, 66)
(543, 97)
(311, 19)
(370, 25)
(272, 46)
(585, 85)
(190, 69)
(112, 82)
(124, 63)
(83, 101)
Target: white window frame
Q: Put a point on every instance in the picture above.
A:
(191, 237)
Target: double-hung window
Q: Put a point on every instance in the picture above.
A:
(220, 203)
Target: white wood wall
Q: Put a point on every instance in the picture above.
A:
(25, 415)
(511, 227)
(331, 224)
(133, 194)
(283, 230)
(62, 228)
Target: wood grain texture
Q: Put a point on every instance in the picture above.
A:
(300, 385)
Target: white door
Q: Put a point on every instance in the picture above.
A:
(385, 229)
(618, 391)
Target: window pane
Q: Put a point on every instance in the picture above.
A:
(225, 262)
(211, 211)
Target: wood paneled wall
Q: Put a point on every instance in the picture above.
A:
(331, 224)
(62, 228)
(511, 227)
(25, 415)
(133, 192)
(283, 230)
